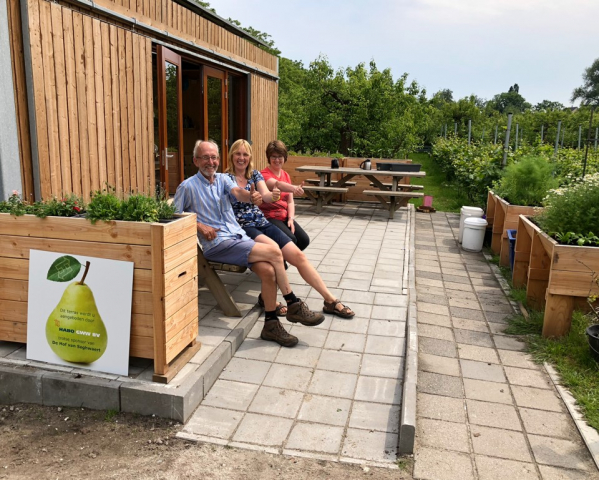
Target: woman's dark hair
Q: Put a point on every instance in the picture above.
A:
(276, 147)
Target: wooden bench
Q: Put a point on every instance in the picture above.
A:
(206, 270)
(316, 181)
(393, 200)
(322, 195)
(402, 186)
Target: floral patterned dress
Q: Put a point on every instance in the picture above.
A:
(247, 214)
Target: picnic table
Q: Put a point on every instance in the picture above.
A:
(392, 196)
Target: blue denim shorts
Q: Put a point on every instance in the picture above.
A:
(235, 252)
(271, 231)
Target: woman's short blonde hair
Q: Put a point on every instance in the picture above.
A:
(248, 148)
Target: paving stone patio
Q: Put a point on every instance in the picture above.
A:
(485, 409)
(337, 394)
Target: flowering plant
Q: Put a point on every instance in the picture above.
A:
(571, 213)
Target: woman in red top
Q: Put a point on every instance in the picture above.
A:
(282, 212)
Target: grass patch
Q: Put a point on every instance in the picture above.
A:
(447, 197)
(569, 355)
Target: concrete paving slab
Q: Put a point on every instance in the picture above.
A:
(513, 358)
(382, 366)
(558, 452)
(315, 437)
(555, 473)
(482, 371)
(479, 354)
(434, 331)
(527, 377)
(472, 337)
(245, 370)
(493, 415)
(551, 424)
(433, 464)
(277, 402)
(333, 384)
(263, 430)
(378, 390)
(464, 324)
(537, 398)
(387, 328)
(439, 407)
(375, 416)
(495, 468)
(325, 410)
(230, 395)
(434, 319)
(499, 443)
(438, 364)
(370, 445)
(437, 384)
(288, 377)
(380, 345)
(487, 391)
(446, 435)
(435, 346)
(347, 342)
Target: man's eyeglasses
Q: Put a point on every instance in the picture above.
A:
(208, 157)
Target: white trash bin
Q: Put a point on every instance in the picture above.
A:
(465, 213)
(474, 234)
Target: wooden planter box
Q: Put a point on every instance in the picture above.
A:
(501, 217)
(557, 277)
(164, 317)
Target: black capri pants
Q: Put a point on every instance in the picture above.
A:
(300, 237)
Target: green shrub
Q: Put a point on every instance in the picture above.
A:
(572, 209)
(15, 205)
(67, 206)
(526, 182)
(139, 208)
(104, 205)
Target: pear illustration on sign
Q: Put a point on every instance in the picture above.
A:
(74, 330)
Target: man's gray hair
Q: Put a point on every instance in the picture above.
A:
(199, 142)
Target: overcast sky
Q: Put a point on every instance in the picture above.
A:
(468, 46)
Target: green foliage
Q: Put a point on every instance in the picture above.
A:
(574, 208)
(67, 206)
(588, 93)
(104, 205)
(165, 209)
(527, 181)
(15, 205)
(139, 208)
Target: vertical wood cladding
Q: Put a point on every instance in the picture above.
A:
(93, 104)
(265, 100)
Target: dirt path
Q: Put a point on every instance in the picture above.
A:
(48, 443)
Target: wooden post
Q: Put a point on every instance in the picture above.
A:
(521, 256)
(558, 315)
(538, 274)
(158, 293)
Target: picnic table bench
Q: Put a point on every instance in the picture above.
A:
(392, 196)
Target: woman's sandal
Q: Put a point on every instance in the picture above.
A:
(330, 307)
(281, 309)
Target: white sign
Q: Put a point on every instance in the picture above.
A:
(79, 311)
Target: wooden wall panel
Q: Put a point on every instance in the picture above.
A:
(93, 102)
(179, 21)
(264, 104)
(15, 32)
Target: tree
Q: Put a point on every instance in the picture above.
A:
(548, 106)
(509, 102)
(588, 94)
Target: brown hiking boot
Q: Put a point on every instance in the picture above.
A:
(299, 312)
(274, 331)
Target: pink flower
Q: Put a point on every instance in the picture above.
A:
(15, 192)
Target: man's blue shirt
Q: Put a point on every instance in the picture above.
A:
(210, 202)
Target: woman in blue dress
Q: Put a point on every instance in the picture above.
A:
(257, 227)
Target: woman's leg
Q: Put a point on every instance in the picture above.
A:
(298, 259)
(284, 228)
(303, 240)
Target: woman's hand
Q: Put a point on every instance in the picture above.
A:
(291, 224)
(255, 196)
(298, 189)
(276, 194)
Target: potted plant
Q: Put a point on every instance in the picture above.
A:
(557, 254)
(520, 191)
(164, 317)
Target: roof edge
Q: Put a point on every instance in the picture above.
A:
(220, 21)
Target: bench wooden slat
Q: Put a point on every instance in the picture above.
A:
(389, 193)
(314, 188)
(316, 181)
(403, 186)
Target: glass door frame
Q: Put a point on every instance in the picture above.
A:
(208, 71)
(165, 55)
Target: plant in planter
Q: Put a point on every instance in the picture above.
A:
(557, 255)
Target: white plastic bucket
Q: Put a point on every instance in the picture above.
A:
(465, 213)
(474, 234)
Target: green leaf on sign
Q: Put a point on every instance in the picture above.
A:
(64, 269)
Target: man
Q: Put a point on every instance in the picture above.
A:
(223, 240)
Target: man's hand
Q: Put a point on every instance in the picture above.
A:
(298, 189)
(255, 196)
(276, 194)
(207, 232)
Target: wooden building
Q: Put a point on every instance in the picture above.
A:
(117, 92)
